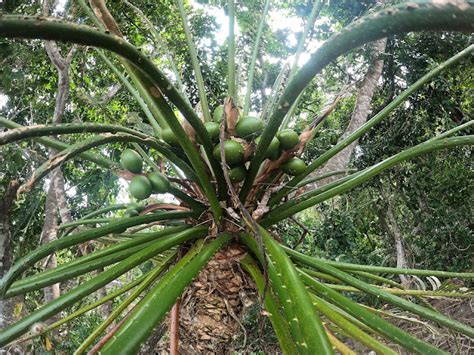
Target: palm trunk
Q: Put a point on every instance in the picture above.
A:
(213, 306)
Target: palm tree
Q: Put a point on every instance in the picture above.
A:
(223, 221)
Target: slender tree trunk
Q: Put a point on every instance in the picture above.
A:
(389, 222)
(60, 191)
(6, 205)
(359, 116)
(48, 234)
(56, 196)
(106, 308)
(399, 244)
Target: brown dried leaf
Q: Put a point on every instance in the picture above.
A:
(231, 115)
(190, 132)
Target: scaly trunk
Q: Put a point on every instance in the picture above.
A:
(213, 306)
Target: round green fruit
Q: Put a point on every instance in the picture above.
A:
(159, 183)
(134, 206)
(249, 127)
(233, 152)
(131, 161)
(169, 137)
(131, 213)
(218, 112)
(276, 154)
(273, 148)
(213, 129)
(294, 166)
(238, 173)
(140, 187)
(288, 138)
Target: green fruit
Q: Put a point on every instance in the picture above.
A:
(238, 173)
(131, 213)
(273, 148)
(131, 161)
(233, 152)
(140, 187)
(294, 166)
(276, 154)
(169, 137)
(134, 206)
(288, 138)
(213, 129)
(159, 183)
(218, 112)
(249, 127)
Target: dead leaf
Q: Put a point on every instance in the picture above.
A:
(47, 344)
(231, 115)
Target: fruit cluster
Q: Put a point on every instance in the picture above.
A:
(142, 185)
(236, 147)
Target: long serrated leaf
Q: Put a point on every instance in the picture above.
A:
(397, 301)
(279, 323)
(67, 299)
(352, 330)
(380, 325)
(298, 301)
(74, 239)
(151, 277)
(151, 309)
(87, 263)
(312, 261)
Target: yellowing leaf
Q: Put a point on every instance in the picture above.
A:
(17, 310)
(47, 344)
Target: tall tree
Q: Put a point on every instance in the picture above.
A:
(56, 195)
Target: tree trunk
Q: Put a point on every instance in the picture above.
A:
(6, 204)
(213, 306)
(399, 244)
(389, 223)
(48, 234)
(56, 193)
(359, 116)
